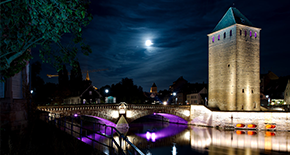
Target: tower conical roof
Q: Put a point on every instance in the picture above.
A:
(154, 85)
(232, 16)
(88, 77)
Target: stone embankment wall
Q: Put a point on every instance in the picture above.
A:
(200, 115)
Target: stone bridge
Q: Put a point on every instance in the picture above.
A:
(112, 112)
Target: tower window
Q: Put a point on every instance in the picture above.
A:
(255, 34)
(245, 33)
(224, 35)
(231, 32)
(229, 65)
(250, 33)
(219, 37)
(213, 39)
(243, 90)
(252, 91)
(240, 32)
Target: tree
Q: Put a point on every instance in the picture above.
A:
(63, 77)
(25, 24)
(76, 75)
(76, 78)
(126, 91)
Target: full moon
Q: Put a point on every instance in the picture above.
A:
(148, 43)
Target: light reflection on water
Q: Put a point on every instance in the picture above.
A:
(201, 140)
(183, 139)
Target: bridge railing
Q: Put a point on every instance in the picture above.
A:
(74, 126)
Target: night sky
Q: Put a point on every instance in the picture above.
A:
(178, 30)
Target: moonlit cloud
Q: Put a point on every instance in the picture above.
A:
(178, 30)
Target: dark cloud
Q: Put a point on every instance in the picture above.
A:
(178, 30)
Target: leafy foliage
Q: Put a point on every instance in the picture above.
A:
(125, 91)
(25, 24)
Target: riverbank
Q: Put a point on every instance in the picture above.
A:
(42, 138)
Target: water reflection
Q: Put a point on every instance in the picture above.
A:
(168, 131)
(157, 137)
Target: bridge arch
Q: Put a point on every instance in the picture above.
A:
(112, 112)
(103, 121)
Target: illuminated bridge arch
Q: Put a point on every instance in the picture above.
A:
(111, 112)
(175, 114)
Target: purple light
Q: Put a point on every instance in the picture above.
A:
(154, 113)
(107, 122)
(219, 37)
(213, 39)
(173, 118)
(76, 115)
(148, 135)
(255, 34)
(153, 137)
(171, 130)
(250, 33)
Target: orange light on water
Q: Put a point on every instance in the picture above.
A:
(269, 126)
(252, 132)
(270, 133)
(239, 132)
(240, 125)
(252, 125)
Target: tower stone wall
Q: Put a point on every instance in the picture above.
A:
(234, 68)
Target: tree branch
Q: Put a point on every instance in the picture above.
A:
(21, 52)
(5, 2)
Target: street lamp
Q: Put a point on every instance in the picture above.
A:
(106, 98)
(174, 94)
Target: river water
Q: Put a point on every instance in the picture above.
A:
(163, 138)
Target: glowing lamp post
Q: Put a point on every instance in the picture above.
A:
(174, 94)
(106, 98)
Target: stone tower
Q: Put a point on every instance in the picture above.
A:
(234, 64)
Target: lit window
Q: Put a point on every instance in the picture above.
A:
(90, 92)
(231, 32)
(224, 35)
(213, 39)
(255, 34)
(250, 33)
(219, 37)
(245, 33)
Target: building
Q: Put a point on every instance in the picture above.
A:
(14, 101)
(287, 93)
(197, 97)
(234, 63)
(153, 89)
(87, 94)
(265, 79)
(178, 85)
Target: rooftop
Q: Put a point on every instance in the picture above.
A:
(232, 16)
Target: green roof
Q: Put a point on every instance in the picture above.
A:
(232, 16)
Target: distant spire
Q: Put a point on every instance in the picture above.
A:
(88, 77)
(233, 4)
